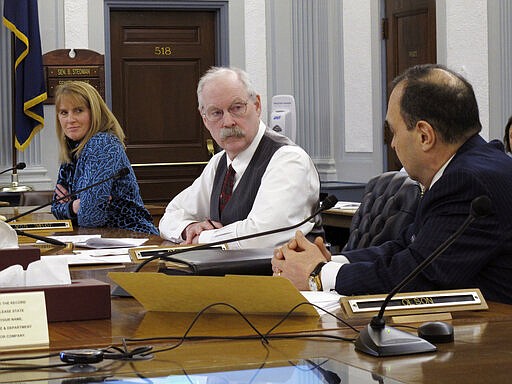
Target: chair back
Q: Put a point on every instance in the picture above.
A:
(388, 206)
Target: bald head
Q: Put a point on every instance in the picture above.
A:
(443, 98)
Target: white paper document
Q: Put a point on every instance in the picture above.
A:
(98, 242)
(96, 256)
(329, 301)
(347, 205)
(104, 242)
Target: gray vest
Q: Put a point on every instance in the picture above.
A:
(242, 199)
(243, 196)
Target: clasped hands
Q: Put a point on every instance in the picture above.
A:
(296, 259)
(192, 231)
(61, 192)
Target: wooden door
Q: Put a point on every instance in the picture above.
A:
(410, 32)
(157, 58)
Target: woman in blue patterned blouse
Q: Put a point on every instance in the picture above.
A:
(92, 149)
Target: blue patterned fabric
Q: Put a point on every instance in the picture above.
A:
(115, 203)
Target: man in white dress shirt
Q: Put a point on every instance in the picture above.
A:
(275, 181)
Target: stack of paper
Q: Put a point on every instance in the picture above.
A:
(329, 301)
(347, 206)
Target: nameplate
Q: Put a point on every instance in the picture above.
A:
(23, 321)
(414, 303)
(73, 71)
(63, 65)
(54, 225)
(142, 253)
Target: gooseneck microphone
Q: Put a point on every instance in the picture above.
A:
(17, 166)
(377, 339)
(48, 240)
(327, 203)
(121, 173)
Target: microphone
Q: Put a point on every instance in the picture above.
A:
(121, 173)
(48, 240)
(327, 203)
(17, 166)
(377, 339)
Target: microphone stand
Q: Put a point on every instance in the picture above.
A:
(121, 173)
(15, 186)
(48, 240)
(377, 338)
(327, 203)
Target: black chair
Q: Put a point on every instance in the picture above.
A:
(35, 197)
(388, 206)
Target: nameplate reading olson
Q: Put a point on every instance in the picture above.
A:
(419, 301)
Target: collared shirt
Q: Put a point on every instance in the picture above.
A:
(331, 269)
(288, 193)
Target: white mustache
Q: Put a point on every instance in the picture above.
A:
(229, 132)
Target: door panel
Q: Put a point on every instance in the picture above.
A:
(410, 40)
(157, 58)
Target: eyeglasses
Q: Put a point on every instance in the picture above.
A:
(215, 114)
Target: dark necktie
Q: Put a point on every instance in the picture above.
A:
(227, 188)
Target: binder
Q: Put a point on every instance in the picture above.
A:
(215, 261)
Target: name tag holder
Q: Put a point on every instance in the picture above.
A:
(43, 228)
(139, 254)
(428, 304)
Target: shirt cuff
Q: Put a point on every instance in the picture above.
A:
(175, 236)
(216, 235)
(330, 271)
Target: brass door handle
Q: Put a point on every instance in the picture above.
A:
(210, 147)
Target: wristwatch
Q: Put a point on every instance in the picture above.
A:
(314, 281)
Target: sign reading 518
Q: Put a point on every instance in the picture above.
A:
(162, 51)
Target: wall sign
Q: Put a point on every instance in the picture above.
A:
(64, 65)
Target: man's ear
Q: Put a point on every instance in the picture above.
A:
(202, 116)
(427, 135)
(257, 104)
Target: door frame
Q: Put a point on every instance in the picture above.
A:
(220, 7)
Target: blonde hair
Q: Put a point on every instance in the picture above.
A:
(102, 118)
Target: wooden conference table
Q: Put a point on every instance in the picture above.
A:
(481, 352)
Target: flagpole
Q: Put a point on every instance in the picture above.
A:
(15, 187)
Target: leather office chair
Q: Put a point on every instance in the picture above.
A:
(35, 197)
(388, 206)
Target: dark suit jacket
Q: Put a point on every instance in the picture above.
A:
(480, 258)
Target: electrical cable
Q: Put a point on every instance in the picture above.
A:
(144, 352)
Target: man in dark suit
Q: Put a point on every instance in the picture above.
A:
(433, 115)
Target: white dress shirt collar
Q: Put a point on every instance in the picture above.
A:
(439, 173)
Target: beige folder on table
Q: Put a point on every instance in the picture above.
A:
(249, 294)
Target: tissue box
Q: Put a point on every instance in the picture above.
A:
(24, 255)
(86, 299)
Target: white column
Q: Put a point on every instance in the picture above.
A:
(76, 24)
(467, 49)
(357, 45)
(256, 49)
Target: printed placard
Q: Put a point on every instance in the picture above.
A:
(23, 321)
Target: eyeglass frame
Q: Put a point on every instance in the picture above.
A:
(234, 115)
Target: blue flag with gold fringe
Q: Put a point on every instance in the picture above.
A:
(21, 18)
